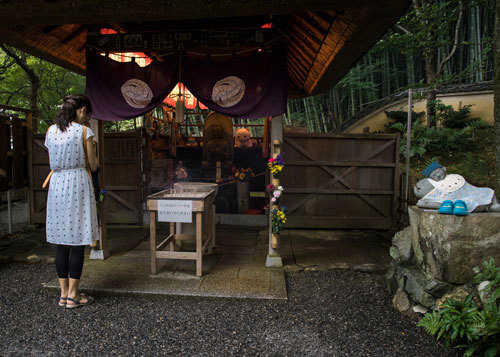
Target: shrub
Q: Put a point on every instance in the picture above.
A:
(454, 119)
(400, 116)
(465, 324)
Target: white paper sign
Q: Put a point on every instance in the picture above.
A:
(175, 211)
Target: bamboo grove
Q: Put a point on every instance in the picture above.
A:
(389, 68)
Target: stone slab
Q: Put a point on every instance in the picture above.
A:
(448, 247)
(321, 249)
(227, 273)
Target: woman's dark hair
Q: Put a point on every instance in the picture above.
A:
(68, 111)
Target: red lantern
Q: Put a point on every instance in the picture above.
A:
(180, 92)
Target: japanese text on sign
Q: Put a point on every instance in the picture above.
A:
(175, 211)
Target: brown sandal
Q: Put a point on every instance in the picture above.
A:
(77, 303)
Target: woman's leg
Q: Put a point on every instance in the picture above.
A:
(76, 259)
(62, 261)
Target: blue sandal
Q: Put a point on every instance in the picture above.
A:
(460, 208)
(446, 207)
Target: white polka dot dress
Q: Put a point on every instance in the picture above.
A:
(71, 207)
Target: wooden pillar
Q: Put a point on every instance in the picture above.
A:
(152, 240)
(199, 243)
(273, 257)
(31, 196)
(102, 249)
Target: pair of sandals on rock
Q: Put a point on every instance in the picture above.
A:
(457, 208)
(63, 301)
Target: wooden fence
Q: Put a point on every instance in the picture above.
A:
(341, 180)
(15, 130)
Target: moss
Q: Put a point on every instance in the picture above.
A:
(476, 164)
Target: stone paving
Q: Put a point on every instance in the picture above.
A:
(235, 269)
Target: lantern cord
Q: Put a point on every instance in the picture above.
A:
(250, 50)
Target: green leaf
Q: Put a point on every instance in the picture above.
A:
(491, 352)
(495, 295)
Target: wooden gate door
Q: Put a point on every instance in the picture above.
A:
(341, 180)
(123, 177)
(40, 170)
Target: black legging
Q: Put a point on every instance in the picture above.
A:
(69, 259)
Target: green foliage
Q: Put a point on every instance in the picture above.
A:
(455, 119)
(453, 322)
(55, 83)
(401, 116)
(428, 26)
(431, 140)
(466, 325)
(452, 136)
(474, 165)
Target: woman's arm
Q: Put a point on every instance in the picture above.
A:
(92, 157)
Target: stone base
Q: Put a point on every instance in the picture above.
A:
(274, 262)
(99, 254)
(434, 257)
(447, 247)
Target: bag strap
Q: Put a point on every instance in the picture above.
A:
(47, 179)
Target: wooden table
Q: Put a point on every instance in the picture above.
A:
(202, 204)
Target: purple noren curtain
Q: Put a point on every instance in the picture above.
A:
(249, 87)
(120, 91)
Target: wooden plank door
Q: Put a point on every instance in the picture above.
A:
(123, 177)
(341, 180)
(40, 170)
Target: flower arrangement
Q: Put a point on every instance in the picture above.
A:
(278, 219)
(102, 195)
(276, 165)
(275, 192)
(243, 174)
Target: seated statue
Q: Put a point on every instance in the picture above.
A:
(217, 148)
(438, 187)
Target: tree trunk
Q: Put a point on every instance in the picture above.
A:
(431, 74)
(496, 91)
(34, 87)
(33, 78)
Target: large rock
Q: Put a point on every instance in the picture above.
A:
(401, 301)
(401, 250)
(415, 283)
(448, 247)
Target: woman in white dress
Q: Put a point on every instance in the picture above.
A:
(71, 207)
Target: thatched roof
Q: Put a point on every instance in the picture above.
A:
(324, 37)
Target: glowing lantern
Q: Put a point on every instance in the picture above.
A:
(181, 93)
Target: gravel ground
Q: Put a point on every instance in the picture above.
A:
(334, 313)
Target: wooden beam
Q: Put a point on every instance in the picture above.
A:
(309, 27)
(302, 190)
(340, 163)
(38, 44)
(123, 11)
(316, 17)
(79, 31)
